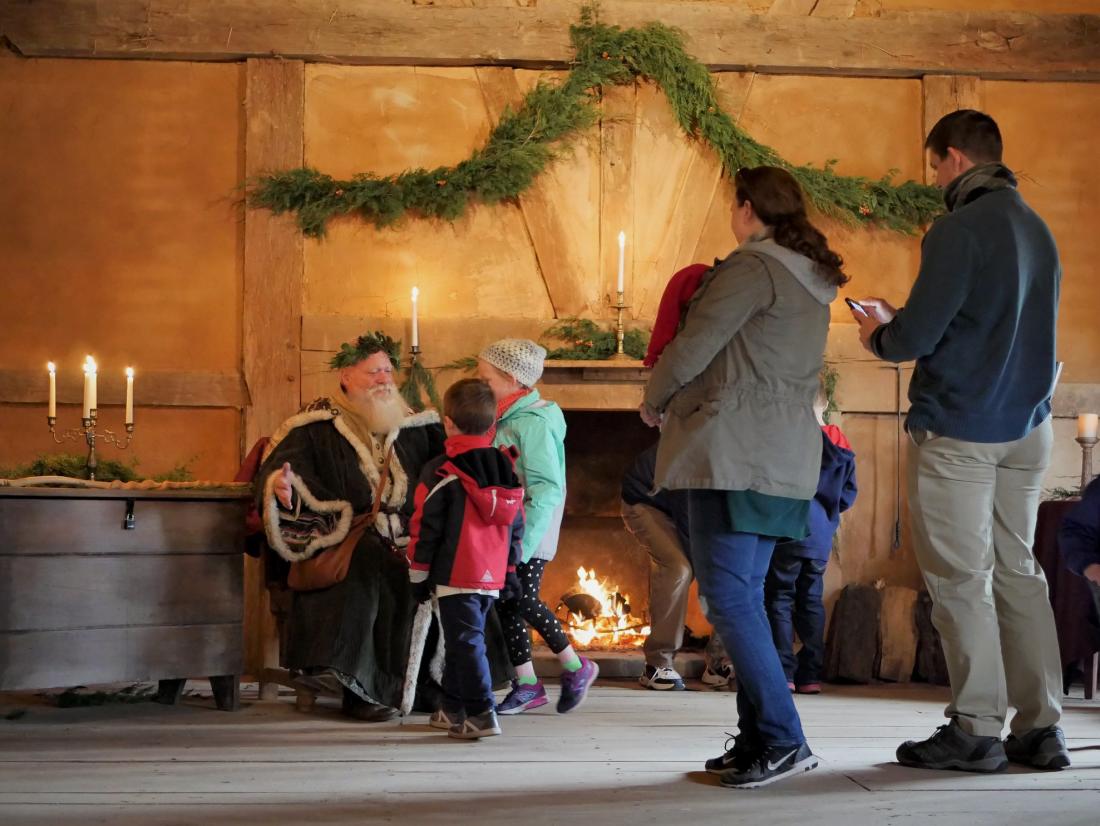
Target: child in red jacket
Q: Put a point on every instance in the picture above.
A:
(465, 541)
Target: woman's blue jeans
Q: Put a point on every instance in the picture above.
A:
(731, 568)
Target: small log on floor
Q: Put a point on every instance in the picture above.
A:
(853, 640)
(897, 634)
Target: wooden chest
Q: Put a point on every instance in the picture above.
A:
(111, 585)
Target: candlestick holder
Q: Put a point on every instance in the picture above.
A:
(620, 330)
(414, 353)
(87, 432)
(1087, 444)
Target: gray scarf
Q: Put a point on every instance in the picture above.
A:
(977, 181)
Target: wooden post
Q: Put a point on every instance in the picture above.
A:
(944, 94)
(273, 265)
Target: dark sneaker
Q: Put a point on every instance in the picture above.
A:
(442, 719)
(476, 727)
(575, 685)
(523, 698)
(1041, 748)
(359, 709)
(738, 757)
(661, 679)
(952, 748)
(774, 763)
(717, 675)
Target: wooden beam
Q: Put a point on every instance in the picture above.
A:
(151, 389)
(944, 94)
(273, 257)
(999, 44)
(273, 269)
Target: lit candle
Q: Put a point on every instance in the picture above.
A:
(129, 395)
(93, 400)
(87, 397)
(1086, 425)
(415, 327)
(53, 390)
(622, 251)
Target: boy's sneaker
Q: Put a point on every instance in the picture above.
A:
(737, 758)
(952, 748)
(774, 763)
(718, 675)
(661, 679)
(523, 698)
(808, 688)
(1041, 748)
(575, 685)
(442, 719)
(476, 727)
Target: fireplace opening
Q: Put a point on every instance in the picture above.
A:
(598, 583)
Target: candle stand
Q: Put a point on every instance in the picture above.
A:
(87, 431)
(1087, 444)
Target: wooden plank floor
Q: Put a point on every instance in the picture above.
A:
(628, 756)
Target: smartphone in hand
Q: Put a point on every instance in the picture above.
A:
(856, 307)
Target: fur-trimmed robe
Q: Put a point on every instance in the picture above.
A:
(360, 627)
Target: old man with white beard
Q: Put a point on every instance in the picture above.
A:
(336, 494)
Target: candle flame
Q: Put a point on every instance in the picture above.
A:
(416, 293)
(129, 372)
(622, 238)
(89, 365)
(51, 366)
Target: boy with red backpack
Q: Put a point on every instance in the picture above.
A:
(466, 535)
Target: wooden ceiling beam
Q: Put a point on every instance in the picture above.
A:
(1008, 45)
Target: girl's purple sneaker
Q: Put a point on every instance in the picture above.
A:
(575, 685)
(522, 698)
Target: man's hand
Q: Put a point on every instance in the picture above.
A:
(1092, 573)
(650, 416)
(284, 492)
(879, 312)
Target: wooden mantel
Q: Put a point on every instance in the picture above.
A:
(998, 44)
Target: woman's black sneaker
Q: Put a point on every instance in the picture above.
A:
(737, 758)
(952, 748)
(774, 763)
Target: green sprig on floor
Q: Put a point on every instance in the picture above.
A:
(552, 115)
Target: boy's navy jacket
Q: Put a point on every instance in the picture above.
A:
(836, 491)
(1079, 535)
(467, 529)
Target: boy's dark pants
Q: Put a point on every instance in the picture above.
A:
(467, 685)
(792, 594)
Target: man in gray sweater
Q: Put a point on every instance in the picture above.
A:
(980, 323)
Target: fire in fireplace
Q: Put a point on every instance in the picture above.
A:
(596, 615)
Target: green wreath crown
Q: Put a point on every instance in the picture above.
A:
(364, 347)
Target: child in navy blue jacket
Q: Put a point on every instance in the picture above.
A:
(465, 541)
(795, 581)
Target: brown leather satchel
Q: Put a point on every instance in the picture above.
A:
(329, 566)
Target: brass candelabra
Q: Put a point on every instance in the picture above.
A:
(620, 330)
(87, 431)
(1087, 444)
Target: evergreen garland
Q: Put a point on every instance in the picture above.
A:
(553, 114)
(585, 341)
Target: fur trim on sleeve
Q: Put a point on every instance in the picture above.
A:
(271, 520)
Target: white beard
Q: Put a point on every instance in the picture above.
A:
(381, 407)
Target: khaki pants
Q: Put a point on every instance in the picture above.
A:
(974, 508)
(670, 575)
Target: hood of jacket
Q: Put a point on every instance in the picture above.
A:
(802, 268)
(490, 483)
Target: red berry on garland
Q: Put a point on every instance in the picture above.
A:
(865, 210)
(339, 193)
(606, 56)
(441, 182)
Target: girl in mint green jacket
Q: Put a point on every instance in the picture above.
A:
(536, 428)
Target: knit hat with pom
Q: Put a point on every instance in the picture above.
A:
(520, 358)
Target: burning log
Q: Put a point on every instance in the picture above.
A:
(596, 615)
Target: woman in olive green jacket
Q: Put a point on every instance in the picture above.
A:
(733, 393)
